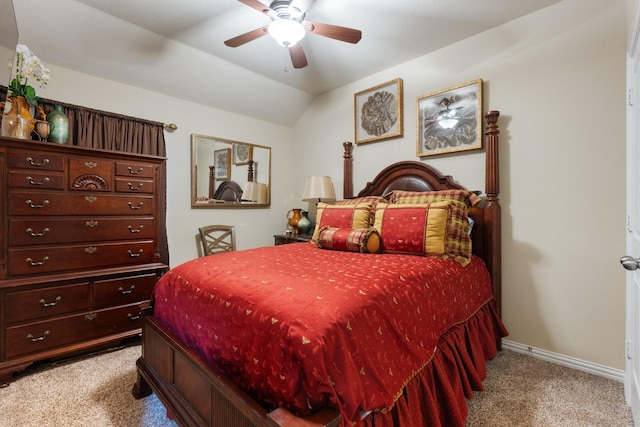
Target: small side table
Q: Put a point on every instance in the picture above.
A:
(281, 239)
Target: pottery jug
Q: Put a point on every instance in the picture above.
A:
(293, 216)
(304, 223)
(59, 125)
(21, 108)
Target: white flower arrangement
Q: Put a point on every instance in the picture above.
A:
(26, 66)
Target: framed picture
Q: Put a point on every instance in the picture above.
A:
(242, 153)
(378, 112)
(450, 120)
(222, 164)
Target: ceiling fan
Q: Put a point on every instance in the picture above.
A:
(288, 26)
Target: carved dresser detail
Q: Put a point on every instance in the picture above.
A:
(79, 255)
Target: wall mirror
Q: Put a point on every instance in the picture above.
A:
(8, 41)
(229, 174)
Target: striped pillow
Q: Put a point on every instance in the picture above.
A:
(468, 198)
(341, 216)
(365, 240)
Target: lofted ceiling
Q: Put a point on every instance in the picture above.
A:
(176, 47)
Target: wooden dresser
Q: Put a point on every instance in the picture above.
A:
(79, 255)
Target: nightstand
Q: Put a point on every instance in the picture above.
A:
(281, 239)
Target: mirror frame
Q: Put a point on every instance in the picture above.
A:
(9, 38)
(209, 204)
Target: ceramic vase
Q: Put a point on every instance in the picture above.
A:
(59, 125)
(293, 216)
(304, 223)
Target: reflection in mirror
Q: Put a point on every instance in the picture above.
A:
(229, 174)
(8, 41)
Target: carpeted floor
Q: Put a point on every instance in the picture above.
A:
(95, 390)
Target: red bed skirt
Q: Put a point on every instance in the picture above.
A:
(437, 395)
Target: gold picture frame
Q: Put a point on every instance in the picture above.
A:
(242, 154)
(378, 112)
(449, 120)
(222, 164)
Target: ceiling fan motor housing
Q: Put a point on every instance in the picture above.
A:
(285, 11)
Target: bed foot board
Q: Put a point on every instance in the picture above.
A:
(196, 395)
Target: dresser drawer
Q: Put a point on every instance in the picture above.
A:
(37, 260)
(90, 174)
(136, 170)
(121, 291)
(37, 180)
(45, 335)
(46, 231)
(35, 161)
(43, 203)
(46, 302)
(134, 185)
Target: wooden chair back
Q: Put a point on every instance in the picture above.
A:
(217, 238)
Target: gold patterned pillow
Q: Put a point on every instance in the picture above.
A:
(342, 216)
(429, 229)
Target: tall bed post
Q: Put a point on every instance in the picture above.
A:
(347, 186)
(492, 205)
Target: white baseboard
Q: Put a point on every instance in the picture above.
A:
(560, 359)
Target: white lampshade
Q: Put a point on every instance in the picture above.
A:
(318, 189)
(287, 32)
(255, 192)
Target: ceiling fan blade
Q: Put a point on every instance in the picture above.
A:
(246, 37)
(255, 4)
(303, 5)
(298, 58)
(344, 34)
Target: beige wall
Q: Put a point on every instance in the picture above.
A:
(558, 77)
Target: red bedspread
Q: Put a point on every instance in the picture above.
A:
(297, 326)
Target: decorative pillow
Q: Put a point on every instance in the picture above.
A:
(364, 199)
(341, 216)
(467, 197)
(430, 229)
(365, 240)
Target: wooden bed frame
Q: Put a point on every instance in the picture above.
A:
(196, 395)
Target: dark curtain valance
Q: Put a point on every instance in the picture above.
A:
(110, 131)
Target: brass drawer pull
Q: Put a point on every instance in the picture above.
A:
(91, 199)
(91, 165)
(135, 207)
(132, 172)
(91, 223)
(34, 234)
(50, 304)
(139, 229)
(33, 163)
(34, 206)
(36, 263)
(132, 317)
(32, 339)
(126, 292)
(132, 255)
(32, 182)
(132, 188)
(91, 249)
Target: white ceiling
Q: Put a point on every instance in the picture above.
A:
(176, 46)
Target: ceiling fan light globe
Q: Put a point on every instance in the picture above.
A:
(286, 32)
